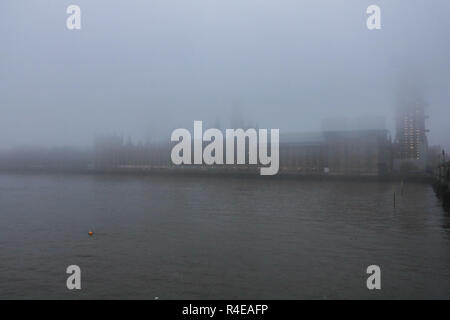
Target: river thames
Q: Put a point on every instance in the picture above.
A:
(181, 237)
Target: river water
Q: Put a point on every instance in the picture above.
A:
(214, 238)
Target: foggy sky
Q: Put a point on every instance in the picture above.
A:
(144, 68)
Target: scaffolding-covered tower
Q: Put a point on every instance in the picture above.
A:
(411, 135)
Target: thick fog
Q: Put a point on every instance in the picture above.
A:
(143, 68)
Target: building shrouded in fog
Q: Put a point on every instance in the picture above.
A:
(411, 145)
(358, 152)
(337, 152)
(411, 132)
(411, 138)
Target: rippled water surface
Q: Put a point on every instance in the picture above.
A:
(214, 238)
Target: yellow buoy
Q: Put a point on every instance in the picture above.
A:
(90, 233)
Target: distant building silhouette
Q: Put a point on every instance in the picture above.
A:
(411, 132)
(411, 145)
(341, 152)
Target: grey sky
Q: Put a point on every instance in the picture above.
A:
(144, 68)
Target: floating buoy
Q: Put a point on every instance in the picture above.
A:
(90, 233)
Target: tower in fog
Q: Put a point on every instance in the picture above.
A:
(411, 144)
(411, 132)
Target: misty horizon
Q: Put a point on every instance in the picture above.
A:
(141, 70)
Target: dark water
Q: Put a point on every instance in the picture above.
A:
(214, 238)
